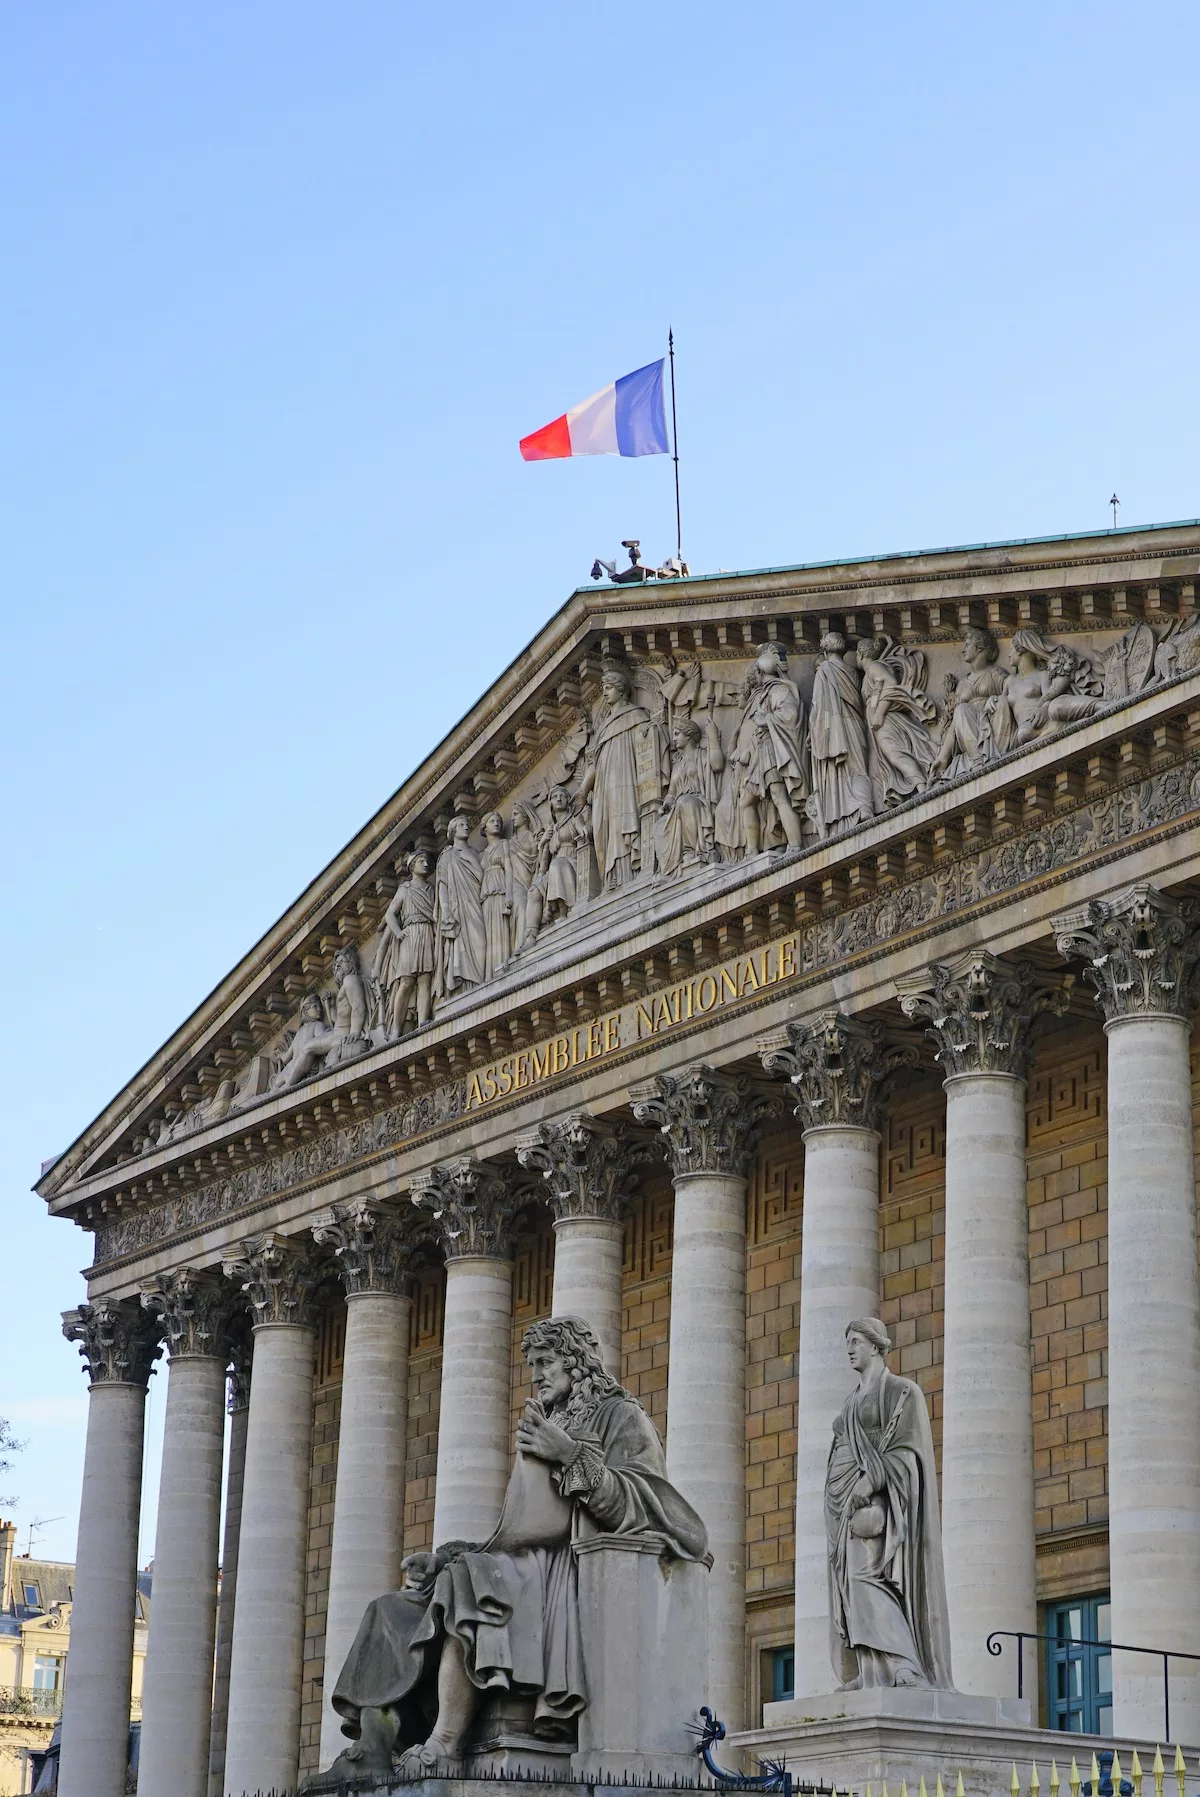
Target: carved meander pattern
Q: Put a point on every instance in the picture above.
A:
(1096, 828)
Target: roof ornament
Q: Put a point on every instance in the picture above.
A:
(672, 569)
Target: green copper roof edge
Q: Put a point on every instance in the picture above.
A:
(903, 555)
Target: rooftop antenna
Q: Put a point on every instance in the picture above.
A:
(1114, 502)
(40, 1523)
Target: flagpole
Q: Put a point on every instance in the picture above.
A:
(675, 448)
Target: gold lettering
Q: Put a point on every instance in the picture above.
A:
(562, 1057)
(612, 1032)
(523, 1078)
(703, 1004)
(576, 1057)
(476, 1095)
(729, 982)
(676, 997)
(750, 981)
(768, 978)
(595, 1041)
(644, 1017)
(787, 958)
(541, 1066)
(490, 1086)
(662, 1012)
(504, 1076)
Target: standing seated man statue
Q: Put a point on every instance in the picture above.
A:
(504, 1617)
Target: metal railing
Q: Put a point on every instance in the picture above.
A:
(24, 1700)
(1020, 1636)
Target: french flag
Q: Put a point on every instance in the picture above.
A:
(626, 418)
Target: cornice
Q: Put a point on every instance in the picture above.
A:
(580, 622)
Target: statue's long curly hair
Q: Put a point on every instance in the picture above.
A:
(574, 1342)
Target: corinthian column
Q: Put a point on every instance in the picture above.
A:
(589, 1171)
(979, 1012)
(840, 1071)
(238, 1402)
(710, 1126)
(473, 1206)
(177, 1689)
(368, 1506)
(1143, 948)
(263, 1737)
(118, 1344)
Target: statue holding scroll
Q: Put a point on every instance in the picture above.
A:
(504, 1617)
(887, 1591)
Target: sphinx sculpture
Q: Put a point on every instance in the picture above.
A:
(504, 1617)
(887, 1589)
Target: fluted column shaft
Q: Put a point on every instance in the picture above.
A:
(839, 1282)
(588, 1252)
(473, 1420)
(706, 1406)
(177, 1689)
(262, 1747)
(235, 1475)
(368, 1513)
(95, 1737)
(987, 1391)
(115, 1343)
(710, 1124)
(1142, 948)
(1153, 1370)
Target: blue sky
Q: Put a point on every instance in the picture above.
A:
(284, 284)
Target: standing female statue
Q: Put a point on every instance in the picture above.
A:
(887, 1589)
(461, 932)
(495, 895)
(837, 738)
(898, 714)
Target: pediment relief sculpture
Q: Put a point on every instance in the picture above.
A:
(662, 769)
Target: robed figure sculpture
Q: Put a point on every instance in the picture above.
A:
(504, 1616)
(887, 1590)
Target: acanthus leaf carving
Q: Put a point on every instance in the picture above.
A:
(841, 1069)
(473, 1204)
(118, 1341)
(279, 1275)
(589, 1168)
(369, 1245)
(194, 1308)
(710, 1122)
(1142, 948)
(980, 1010)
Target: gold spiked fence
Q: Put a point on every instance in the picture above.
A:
(1097, 1781)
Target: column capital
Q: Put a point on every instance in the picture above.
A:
(980, 1010)
(194, 1308)
(118, 1342)
(841, 1070)
(710, 1122)
(369, 1245)
(589, 1168)
(279, 1276)
(473, 1204)
(1142, 948)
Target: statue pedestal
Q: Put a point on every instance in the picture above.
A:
(644, 1621)
(851, 1738)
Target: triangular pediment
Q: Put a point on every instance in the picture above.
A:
(629, 811)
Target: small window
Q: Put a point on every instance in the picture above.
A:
(46, 1668)
(783, 1674)
(1079, 1666)
(33, 1597)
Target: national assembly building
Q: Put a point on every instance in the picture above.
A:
(782, 982)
